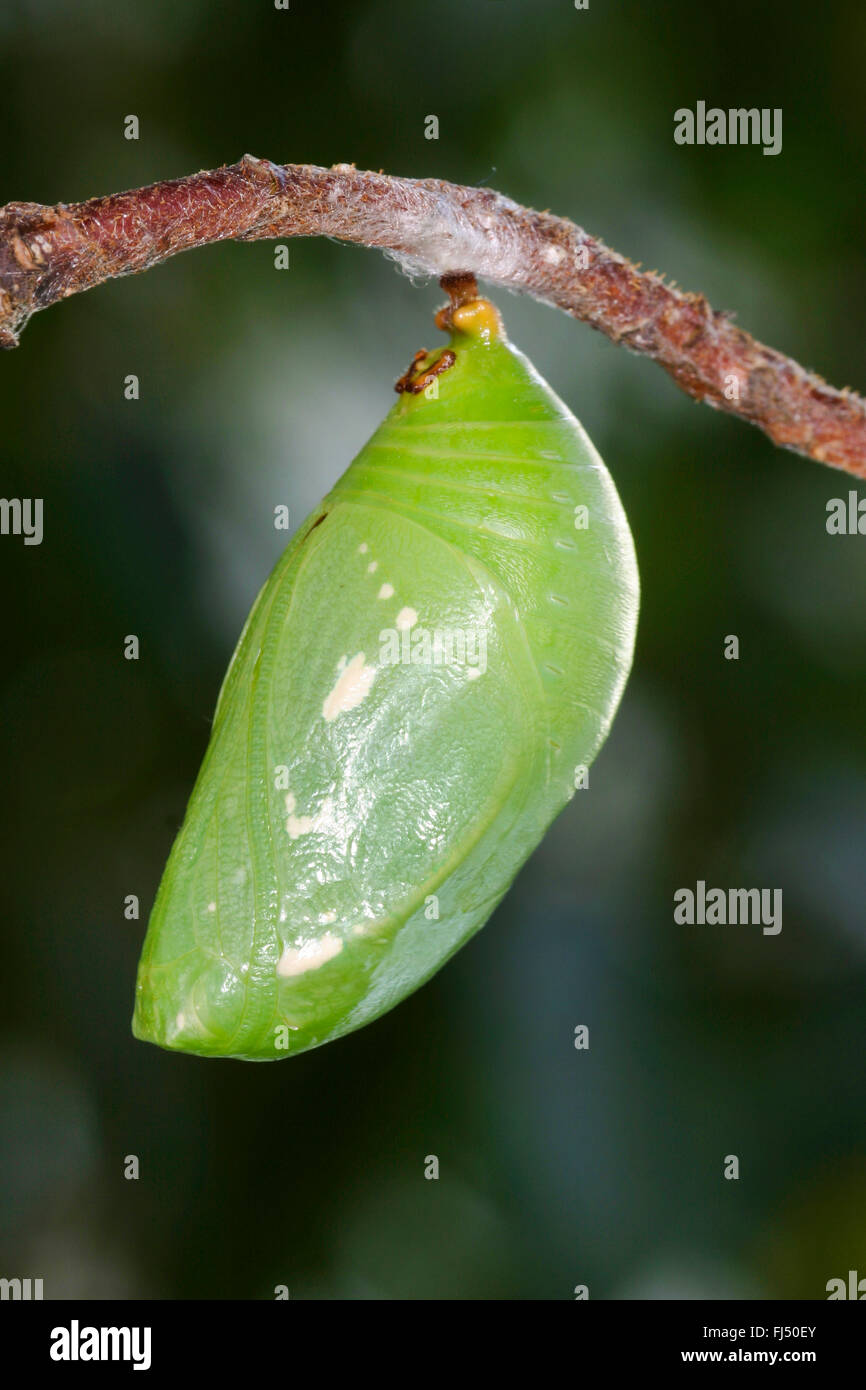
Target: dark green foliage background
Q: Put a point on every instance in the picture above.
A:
(557, 1167)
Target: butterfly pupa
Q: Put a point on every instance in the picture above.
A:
(442, 644)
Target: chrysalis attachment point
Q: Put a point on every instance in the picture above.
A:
(467, 312)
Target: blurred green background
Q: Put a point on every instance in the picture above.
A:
(558, 1167)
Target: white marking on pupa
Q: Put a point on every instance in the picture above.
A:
(295, 960)
(406, 618)
(363, 548)
(353, 685)
(299, 825)
(386, 591)
(180, 1023)
(473, 672)
(302, 825)
(372, 567)
(211, 907)
(326, 918)
(291, 803)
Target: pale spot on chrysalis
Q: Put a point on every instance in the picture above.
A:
(386, 591)
(372, 567)
(295, 960)
(406, 618)
(353, 685)
(299, 825)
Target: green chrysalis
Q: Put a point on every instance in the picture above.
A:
(438, 652)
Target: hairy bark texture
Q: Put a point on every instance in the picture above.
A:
(431, 228)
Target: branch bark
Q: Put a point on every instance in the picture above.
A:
(434, 228)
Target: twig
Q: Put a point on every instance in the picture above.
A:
(48, 253)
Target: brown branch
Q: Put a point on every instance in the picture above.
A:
(48, 253)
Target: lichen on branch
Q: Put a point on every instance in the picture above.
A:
(432, 228)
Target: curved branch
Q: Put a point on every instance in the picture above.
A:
(48, 253)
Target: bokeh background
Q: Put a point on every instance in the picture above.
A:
(558, 1167)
